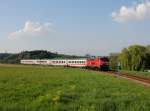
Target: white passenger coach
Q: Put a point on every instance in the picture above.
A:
(57, 62)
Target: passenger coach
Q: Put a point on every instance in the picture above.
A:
(57, 62)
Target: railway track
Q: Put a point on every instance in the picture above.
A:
(132, 77)
(142, 79)
(138, 79)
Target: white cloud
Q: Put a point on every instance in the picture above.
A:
(31, 29)
(137, 12)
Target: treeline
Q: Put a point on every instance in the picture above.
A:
(36, 54)
(135, 58)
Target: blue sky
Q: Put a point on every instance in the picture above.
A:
(73, 26)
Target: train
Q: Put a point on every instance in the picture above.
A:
(94, 63)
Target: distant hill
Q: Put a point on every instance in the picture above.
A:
(36, 54)
(3, 55)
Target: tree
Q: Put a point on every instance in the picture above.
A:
(134, 58)
(88, 56)
(125, 59)
(113, 61)
(138, 57)
(148, 57)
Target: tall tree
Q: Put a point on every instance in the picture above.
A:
(148, 57)
(113, 61)
(138, 57)
(125, 59)
(134, 57)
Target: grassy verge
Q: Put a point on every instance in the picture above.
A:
(39, 88)
(137, 73)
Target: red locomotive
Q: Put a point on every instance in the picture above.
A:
(98, 63)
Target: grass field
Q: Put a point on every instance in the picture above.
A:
(37, 88)
(137, 73)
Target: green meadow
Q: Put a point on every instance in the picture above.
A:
(39, 88)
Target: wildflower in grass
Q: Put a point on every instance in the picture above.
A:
(56, 98)
(94, 90)
(59, 92)
(73, 87)
(92, 107)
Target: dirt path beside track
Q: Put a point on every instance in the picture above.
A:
(137, 79)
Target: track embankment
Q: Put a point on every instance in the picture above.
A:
(137, 79)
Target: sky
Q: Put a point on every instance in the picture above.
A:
(78, 27)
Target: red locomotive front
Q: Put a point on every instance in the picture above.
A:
(100, 63)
